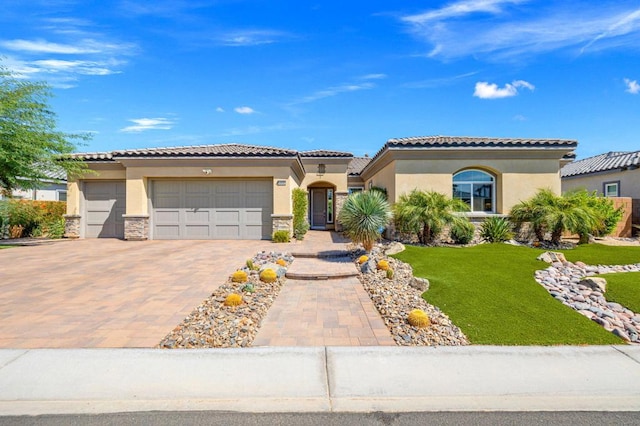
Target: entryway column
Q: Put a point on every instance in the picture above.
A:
(340, 198)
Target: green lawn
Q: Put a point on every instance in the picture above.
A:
(489, 292)
(624, 289)
(598, 254)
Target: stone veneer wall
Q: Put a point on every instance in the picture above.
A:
(71, 225)
(282, 222)
(136, 227)
(340, 198)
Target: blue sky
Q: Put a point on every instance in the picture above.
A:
(332, 75)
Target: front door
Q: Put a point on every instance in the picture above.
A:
(318, 208)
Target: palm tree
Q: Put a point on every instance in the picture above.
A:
(426, 213)
(364, 215)
(547, 211)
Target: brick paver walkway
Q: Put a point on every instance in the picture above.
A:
(324, 312)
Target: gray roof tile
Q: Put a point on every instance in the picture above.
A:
(325, 153)
(221, 150)
(601, 163)
(465, 141)
(357, 164)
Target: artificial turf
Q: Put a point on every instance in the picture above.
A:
(490, 293)
(624, 288)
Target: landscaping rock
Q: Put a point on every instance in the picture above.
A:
(394, 248)
(572, 285)
(552, 257)
(595, 283)
(420, 284)
(395, 298)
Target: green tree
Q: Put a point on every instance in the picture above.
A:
(427, 213)
(553, 213)
(30, 146)
(364, 215)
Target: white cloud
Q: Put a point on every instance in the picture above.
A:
(219, 109)
(333, 91)
(373, 77)
(632, 86)
(43, 46)
(510, 30)
(460, 8)
(519, 117)
(250, 37)
(244, 110)
(143, 124)
(485, 90)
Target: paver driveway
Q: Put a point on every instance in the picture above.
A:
(107, 292)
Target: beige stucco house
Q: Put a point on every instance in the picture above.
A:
(614, 174)
(236, 191)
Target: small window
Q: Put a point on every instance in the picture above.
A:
(329, 205)
(612, 189)
(61, 195)
(354, 189)
(477, 189)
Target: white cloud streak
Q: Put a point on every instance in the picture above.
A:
(485, 90)
(144, 124)
(334, 91)
(241, 38)
(632, 86)
(245, 110)
(509, 30)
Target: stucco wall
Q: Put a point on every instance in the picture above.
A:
(335, 173)
(517, 180)
(386, 178)
(629, 182)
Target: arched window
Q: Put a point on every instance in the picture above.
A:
(477, 189)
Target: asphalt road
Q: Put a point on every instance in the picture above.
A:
(329, 419)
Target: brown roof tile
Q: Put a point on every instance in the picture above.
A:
(221, 150)
(465, 141)
(325, 153)
(357, 164)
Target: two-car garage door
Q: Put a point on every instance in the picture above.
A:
(212, 209)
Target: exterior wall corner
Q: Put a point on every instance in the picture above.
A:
(136, 227)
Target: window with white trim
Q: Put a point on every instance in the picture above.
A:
(329, 205)
(612, 189)
(477, 189)
(61, 195)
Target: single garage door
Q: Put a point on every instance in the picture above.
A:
(212, 209)
(104, 207)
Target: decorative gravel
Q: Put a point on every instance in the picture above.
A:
(213, 325)
(563, 281)
(395, 298)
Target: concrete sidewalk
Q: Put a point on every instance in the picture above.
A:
(321, 379)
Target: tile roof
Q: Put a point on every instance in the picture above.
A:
(325, 153)
(221, 150)
(465, 141)
(357, 164)
(601, 163)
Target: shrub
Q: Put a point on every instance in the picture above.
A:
(239, 277)
(496, 229)
(363, 259)
(300, 203)
(281, 236)
(426, 213)
(268, 275)
(419, 318)
(36, 218)
(233, 299)
(462, 231)
(383, 265)
(389, 274)
(363, 216)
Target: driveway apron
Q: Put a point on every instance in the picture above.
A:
(108, 292)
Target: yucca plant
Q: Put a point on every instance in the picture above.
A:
(496, 229)
(363, 216)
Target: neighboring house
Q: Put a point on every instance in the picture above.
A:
(236, 191)
(53, 189)
(614, 174)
